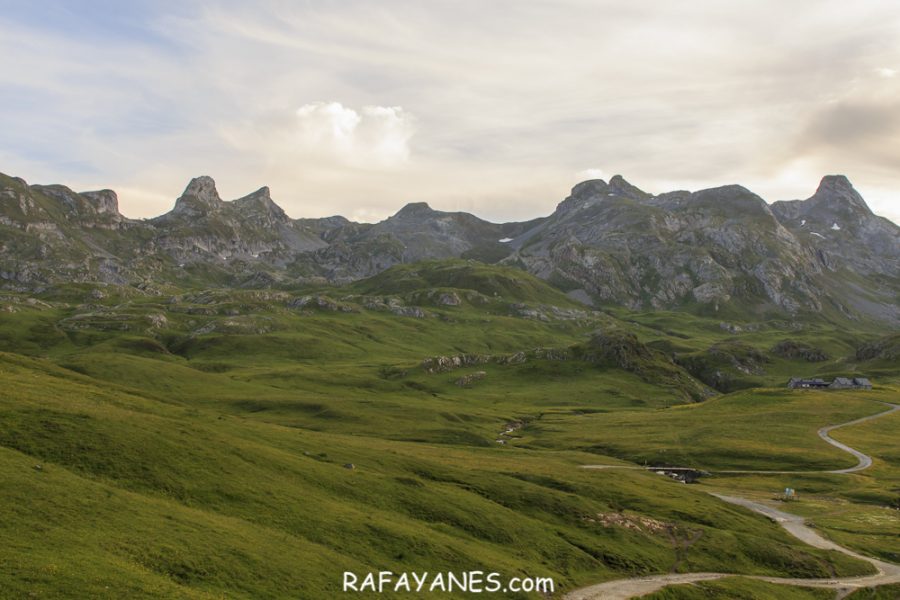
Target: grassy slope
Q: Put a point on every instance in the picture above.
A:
(768, 429)
(736, 588)
(884, 592)
(864, 515)
(127, 462)
(489, 281)
(205, 456)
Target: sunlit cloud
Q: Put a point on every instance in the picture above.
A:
(373, 136)
(590, 174)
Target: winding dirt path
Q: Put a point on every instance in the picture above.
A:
(887, 573)
(865, 461)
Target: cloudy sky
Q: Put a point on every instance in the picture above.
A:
(498, 108)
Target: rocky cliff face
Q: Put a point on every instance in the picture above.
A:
(842, 230)
(718, 248)
(712, 247)
(722, 249)
(202, 228)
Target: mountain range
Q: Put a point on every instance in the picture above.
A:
(717, 251)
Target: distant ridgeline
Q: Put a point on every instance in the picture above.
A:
(839, 383)
(721, 251)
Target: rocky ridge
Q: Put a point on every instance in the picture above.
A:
(722, 250)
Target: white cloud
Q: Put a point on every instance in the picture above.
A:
(886, 72)
(329, 123)
(374, 136)
(590, 174)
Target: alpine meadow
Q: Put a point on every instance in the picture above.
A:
(604, 394)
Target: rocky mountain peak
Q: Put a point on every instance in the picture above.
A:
(262, 196)
(836, 193)
(583, 194)
(835, 202)
(590, 188)
(839, 182)
(261, 201)
(618, 185)
(85, 205)
(731, 198)
(415, 210)
(200, 191)
(105, 202)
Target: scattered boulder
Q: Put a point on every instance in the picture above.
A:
(203, 330)
(638, 523)
(546, 312)
(442, 364)
(468, 380)
(321, 302)
(157, 321)
(731, 327)
(527, 312)
(734, 328)
(560, 354)
(350, 466)
(514, 359)
(409, 311)
(448, 299)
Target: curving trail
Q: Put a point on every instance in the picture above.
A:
(865, 461)
(887, 573)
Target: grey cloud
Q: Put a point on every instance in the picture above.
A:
(853, 124)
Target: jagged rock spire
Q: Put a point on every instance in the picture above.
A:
(837, 194)
(199, 196)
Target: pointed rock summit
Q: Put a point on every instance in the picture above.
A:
(261, 197)
(591, 191)
(201, 194)
(260, 203)
(414, 210)
(836, 193)
(835, 201)
(583, 194)
(619, 186)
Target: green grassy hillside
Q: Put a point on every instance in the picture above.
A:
(736, 588)
(489, 282)
(256, 444)
(762, 429)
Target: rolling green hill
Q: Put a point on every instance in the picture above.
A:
(247, 443)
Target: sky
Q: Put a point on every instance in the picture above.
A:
(496, 108)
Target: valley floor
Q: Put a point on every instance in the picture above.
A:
(887, 573)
